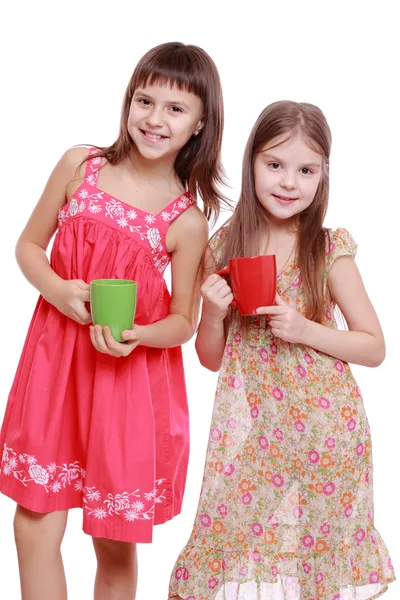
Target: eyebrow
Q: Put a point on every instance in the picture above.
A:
(279, 160)
(141, 93)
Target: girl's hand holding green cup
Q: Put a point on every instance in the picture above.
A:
(113, 308)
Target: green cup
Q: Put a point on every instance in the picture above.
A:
(113, 303)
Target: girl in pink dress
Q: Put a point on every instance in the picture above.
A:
(91, 422)
(286, 508)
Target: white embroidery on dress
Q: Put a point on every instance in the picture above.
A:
(53, 478)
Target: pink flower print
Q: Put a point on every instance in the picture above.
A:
(254, 412)
(232, 423)
(348, 511)
(328, 314)
(273, 520)
(306, 568)
(236, 383)
(278, 433)
(297, 512)
(367, 477)
(228, 350)
(256, 556)
(336, 597)
(264, 355)
(390, 565)
(257, 529)
(299, 426)
(205, 520)
(215, 434)
(351, 425)
(331, 249)
(229, 470)
(309, 359)
(308, 541)
(275, 571)
(247, 499)
(278, 480)
(338, 366)
(277, 394)
(374, 577)
(263, 442)
(296, 283)
(330, 443)
(360, 449)
(274, 349)
(185, 574)
(212, 583)
(329, 488)
(360, 535)
(358, 391)
(178, 573)
(237, 337)
(301, 371)
(319, 577)
(243, 571)
(324, 402)
(325, 529)
(223, 510)
(313, 457)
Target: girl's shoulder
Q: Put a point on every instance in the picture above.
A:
(339, 242)
(217, 242)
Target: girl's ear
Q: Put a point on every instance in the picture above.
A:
(199, 128)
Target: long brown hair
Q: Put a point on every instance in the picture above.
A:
(250, 221)
(198, 164)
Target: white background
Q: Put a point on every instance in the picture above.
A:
(64, 70)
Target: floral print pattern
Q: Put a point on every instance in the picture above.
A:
(89, 200)
(286, 508)
(53, 478)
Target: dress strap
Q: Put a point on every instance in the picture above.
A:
(177, 207)
(93, 166)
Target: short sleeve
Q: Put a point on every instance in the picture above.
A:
(340, 243)
(216, 244)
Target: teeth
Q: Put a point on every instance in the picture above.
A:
(153, 136)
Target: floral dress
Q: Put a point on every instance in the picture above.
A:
(85, 429)
(286, 507)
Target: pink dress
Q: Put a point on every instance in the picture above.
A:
(84, 429)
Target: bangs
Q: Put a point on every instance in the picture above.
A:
(172, 69)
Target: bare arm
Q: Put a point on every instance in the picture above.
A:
(179, 326)
(364, 343)
(68, 297)
(211, 335)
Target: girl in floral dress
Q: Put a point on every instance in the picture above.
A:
(91, 422)
(286, 508)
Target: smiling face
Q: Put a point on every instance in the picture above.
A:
(287, 172)
(162, 119)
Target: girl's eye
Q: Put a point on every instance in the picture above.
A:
(274, 165)
(144, 101)
(306, 171)
(176, 109)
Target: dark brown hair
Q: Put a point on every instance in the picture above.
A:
(249, 221)
(198, 164)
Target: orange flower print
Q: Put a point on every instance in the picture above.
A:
(269, 538)
(218, 527)
(321, 546)
(215, 565)
(298, 464)
(326, 461)
(347, 498)
(240, 537)
(347, 412)
(246, 485)
(295, 413)
(253, 399)
(275, 451)
(219, 465)
(268, 476)
(319, 488)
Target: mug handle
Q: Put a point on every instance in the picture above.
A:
(223, 272)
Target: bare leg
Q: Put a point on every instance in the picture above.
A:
(38, 538)
(116, 577)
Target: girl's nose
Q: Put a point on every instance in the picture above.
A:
(155, 118)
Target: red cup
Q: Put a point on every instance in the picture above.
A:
(253, 282)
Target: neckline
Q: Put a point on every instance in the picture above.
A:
(135, 208)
